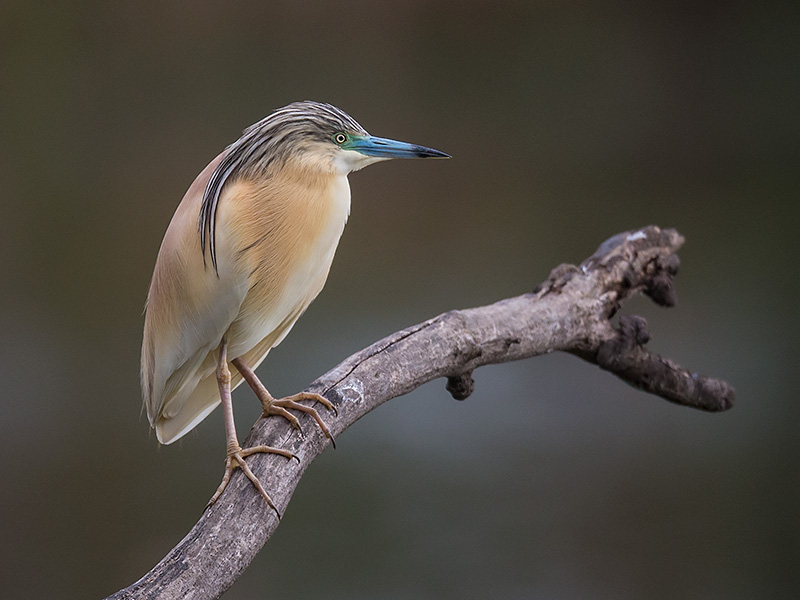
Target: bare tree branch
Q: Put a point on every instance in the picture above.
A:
(570, 312)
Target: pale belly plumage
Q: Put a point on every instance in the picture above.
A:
(267, 314)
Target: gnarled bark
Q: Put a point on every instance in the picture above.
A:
(570, 312)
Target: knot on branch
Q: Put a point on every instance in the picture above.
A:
(461, 386)
(558, 278)
(659, 287)
(615, 354)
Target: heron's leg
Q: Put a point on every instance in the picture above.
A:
(279, 406)
(235, 453)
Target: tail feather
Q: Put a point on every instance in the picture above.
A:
(200, 403)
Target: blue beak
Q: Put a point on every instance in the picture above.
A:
(383, 148)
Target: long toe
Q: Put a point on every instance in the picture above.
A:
(251, 476)
(316, 397)
(292, 403)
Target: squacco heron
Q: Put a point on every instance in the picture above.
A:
(248, 249)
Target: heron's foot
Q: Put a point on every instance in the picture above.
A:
(278, 407)
(235, 460)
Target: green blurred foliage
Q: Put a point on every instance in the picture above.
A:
(568, 123)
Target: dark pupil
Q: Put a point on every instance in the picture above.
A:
(340, 138)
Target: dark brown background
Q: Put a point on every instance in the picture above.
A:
(568, 122)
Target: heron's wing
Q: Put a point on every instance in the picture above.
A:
(197, 400)
(189, 309)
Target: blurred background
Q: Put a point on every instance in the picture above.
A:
(568, 122)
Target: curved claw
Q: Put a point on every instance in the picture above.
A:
(280, 411)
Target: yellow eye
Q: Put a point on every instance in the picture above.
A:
(340, 138)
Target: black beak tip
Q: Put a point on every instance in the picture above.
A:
(431, 153)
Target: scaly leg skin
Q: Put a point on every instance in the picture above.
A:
(235, 453)
(278, 407)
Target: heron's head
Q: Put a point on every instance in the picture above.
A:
(308, 138)
(319, 137)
